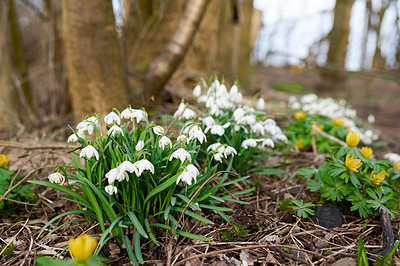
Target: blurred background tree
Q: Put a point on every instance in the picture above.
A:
(79, 57)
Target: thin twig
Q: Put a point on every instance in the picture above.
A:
(13, 238)
(13, 144)
(326, 135)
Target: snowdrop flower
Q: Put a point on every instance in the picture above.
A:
(268, 142)
(181, 139)
(89, 124)
(127, 113)
(112, 175)
(257, 128)
(184, 113)
(139, 145)
(138, 114)
(249, 143)
(234, 90)
(198, 134)
(73, 138)
(112, 118)
(143, 165)
(208, 121)
(202, 99)
(248, 119)
(216, 147)
(115, 130)
(392, 157)
(165, 141)
(197, 91)
(158, 130)
(260, 104)
(182, 154)
(280, 137)
(371, 119)
(88, 152)
(218, 157)
(110, 189)
(216, 130)
(56, 178)
(192, 170)
(229, 150)
(186, 177)
(127, 166)
(238, 114)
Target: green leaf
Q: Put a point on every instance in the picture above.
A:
(215, 208)
(136, 244)
(383, 261)
(149, 232)
(362, 259)
(129, 250)
(137, 224)
(193, 215)
(306, 172)
(161, 187)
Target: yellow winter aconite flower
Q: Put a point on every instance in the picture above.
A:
(397, 165)
(4, 160)
(353, 164)
(82, 248)
(376, 179)
(366, 152)
(300, 115)
(352, 139)
(299, 145)
(321, 127)
(338, 121)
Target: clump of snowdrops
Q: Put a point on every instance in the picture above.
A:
(333, 116)
(354, 175)
(136, 176)
(233, 127)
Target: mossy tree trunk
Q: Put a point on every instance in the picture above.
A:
(95, 68)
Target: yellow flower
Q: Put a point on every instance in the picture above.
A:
(376, 179)
(366, 152)
(321, 127)
(397, 165)
(299, 145)
(338, 121)
(300, 115)
(352, 139)
(82, 248)
(353, 164)
(4, 160)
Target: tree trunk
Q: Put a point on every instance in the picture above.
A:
(338, 41)
(162, 68)
(95, 67)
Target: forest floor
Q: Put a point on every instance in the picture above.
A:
(274, 237)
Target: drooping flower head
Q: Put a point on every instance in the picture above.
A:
(197, 91)
(338, 121)
(366, 152)
(115, 130)
(165, 141)
(190, 173)
(140, 145)
(82, 247)
(249, 143)
(261, 104)
(377, 179)
(56, 178)
(353, 164)
(352, 139)
(88, 152)
(110, 189)
(143, 165)
(158, 130)
(112, 118)
(182, 154)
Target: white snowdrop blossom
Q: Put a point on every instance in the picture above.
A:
(216, 130)
(280, 137)
(268, 142)
(392, 157)
(115, 130)
(193, 170)
(112, 118)
(229, 150)
(197, 91)
(182, 154)
(127, 113)
(89, 125)
(371, 119)
(189, 174)
(165, 141)
(140, 145)
(88, 152)
(74, 138)
(184, 113)
(238, 114)
(138, 114)
(110, 189)
(216, 147)
(158, 130)
(112, 175)
(249, 143)
(56, 178)
(260, 104)
(257, 128)
(208, 121)
(218, 157)
(198, 134)
(143, 165)
(181, 139)
(127, 166)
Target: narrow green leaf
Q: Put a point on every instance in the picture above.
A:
(149, 232)
(136, 244)
(129, 250)
(161, 187)
(193, 215)
(215, 208)
(137, 224)
(193, 236)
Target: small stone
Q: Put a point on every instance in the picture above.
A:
(328, 215)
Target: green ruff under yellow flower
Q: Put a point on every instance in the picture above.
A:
(82, 248)
(353, 164)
